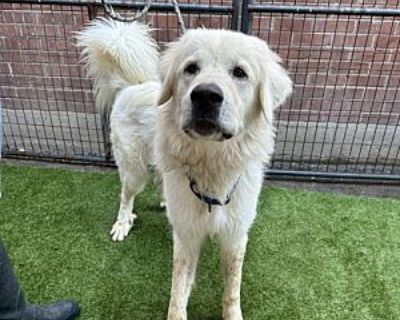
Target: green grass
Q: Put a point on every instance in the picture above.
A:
(310, 255)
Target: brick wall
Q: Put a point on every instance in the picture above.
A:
(39, 63)
(39, 66)
(345, 68)
(48, 101)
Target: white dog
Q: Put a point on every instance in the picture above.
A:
(205, 120)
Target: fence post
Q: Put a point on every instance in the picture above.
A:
(245, 25)
(235, 15)
(1, 145)
(105, 128)
(92, 11)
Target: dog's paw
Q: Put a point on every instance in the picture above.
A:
(121, 228)
(176, 313)
(177, 316)
(232, 313)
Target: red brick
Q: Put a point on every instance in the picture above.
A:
(276, 39)
(336, 25)
(10, 30)
(43, 47)
(381, 94)
(387, 67)
(394, 81)
(288, 23)
(388, 42)
(380, 118)
(325, 79)
(351, 40)
(8, 17)
(372, 56)
(310, 39)
(347, 79)
(262, 23)
(5, 6)
(376, 26)
(352, 67)
(393, 107)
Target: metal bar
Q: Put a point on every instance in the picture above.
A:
(323, 10)
(380, 37)
(184, 7)
(345, 85)
(57, 158)
(325, 74)
(331, 175)
(92, 11)
(1, 131)
(235, 14)
(396, 98)
(245, 26)
(295, 139)
(309, 175)
(105, 128)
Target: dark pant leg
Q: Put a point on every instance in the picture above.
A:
(11, 297)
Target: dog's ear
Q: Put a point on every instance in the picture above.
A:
(276, 86)
(168, 68)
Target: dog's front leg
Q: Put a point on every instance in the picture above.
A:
(186, 254)
(232, 256)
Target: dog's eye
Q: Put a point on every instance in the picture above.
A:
(238, 72)
(192, 68)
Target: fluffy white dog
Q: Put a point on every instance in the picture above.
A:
(203, 115)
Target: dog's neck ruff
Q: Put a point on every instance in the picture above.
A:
(209, 200)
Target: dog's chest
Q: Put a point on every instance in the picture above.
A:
(191, 216)
(203, 222)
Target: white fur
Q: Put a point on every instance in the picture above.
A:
(144, 134)
(124, 61)
(117, 55)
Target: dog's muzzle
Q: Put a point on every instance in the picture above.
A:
(207, 99)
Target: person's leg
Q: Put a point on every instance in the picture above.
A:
(12, 302)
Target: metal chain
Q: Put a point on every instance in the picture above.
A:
(109, 10)
(179, 16)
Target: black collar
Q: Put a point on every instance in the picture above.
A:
(211, 201)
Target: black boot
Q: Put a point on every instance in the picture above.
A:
(13, 305)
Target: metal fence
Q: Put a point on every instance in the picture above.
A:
(342, 121)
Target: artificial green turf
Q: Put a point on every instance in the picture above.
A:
(310, 255)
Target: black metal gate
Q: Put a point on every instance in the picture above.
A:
(342, 121)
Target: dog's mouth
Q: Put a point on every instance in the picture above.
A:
(206, 129)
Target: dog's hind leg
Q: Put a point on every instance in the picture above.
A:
(133, 182)
(160, 188)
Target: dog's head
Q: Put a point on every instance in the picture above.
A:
(220, 81)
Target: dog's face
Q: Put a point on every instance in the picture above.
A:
(220, 81)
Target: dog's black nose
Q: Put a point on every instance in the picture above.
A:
(207, 96)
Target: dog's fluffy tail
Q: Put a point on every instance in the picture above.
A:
(118, 55)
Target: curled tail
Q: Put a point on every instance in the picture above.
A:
(118, 55)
